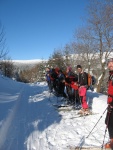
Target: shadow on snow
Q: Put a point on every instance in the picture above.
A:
(30, 115)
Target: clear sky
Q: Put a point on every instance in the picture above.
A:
(34, 28)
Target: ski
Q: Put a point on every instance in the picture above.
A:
(59, 106)
(81, 143)
(78, 115)
(64, 107)
(87, 148)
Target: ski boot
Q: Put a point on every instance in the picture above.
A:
(109, 145)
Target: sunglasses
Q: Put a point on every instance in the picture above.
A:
(110, 60)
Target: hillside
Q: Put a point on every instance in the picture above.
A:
(23, 64)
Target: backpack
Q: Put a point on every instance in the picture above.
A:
(91, 82)
(72, 77)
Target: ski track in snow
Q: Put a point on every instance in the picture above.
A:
(33, 123)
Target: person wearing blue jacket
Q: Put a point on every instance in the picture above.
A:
(61, 83)
(48, 78)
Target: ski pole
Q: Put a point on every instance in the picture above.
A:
(49, 96)
(57, 99)
(106, 128)
(75, 98)
(96, 123)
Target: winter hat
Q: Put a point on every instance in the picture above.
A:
(57, 69)
(79, 66)
(60, 71)
(110, 60)
(69, 68)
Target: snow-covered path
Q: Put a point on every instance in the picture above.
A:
(29, 121)
(28, 113)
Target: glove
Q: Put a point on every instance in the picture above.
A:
(110, 108)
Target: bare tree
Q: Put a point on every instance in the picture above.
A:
(3, 51)
(101, 23)
(69, 51)
(85, 47)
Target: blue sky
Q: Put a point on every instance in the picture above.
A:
(34, 28)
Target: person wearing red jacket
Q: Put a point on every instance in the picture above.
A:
(71, 88)
(109, 115)
(83, 84)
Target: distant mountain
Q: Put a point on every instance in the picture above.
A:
(26, 64)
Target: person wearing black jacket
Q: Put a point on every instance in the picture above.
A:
(53, 77)
(61, 84)
(48, 79)
(83, 85)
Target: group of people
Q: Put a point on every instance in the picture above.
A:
(72, 86)
(76, 86)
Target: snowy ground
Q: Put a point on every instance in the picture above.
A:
(29, 121)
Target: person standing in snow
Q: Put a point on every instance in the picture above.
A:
(83, 84)
(53, 77)
(71, 89)
(61, 84)
(68, 84)
(109, 115)
(48, 79)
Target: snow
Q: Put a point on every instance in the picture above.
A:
(30, 121)
(29, 61)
